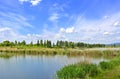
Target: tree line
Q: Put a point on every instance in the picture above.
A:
(49, 44)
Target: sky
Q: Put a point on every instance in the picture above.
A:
(89, 21)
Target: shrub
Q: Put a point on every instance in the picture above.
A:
(106, 65)
(78, 71)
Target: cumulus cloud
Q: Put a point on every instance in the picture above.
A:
(100, 30)
(33, 2)
(117, 24)
(68, 30)
(7, 33)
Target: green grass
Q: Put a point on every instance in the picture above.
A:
(111, 74)
(110, 70)
(78, 71)
(105, 70)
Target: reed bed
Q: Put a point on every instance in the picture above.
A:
(89, 71)
(61, 51)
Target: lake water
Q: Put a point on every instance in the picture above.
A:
(38, 67)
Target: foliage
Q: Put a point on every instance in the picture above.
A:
(106, 65)
(83, 71)
(49, 44)
(78, 71)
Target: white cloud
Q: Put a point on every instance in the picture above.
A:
(33, 2)
(97, 31)
(21, 1)
(67, 30)
(62, 30)
(59, 36)
(14, 21)
(108, 33)
(4, 29)
(102, 30)
(106, 17)
(54, 17)
(91, 31)
(7, 33)
(70, 30)
(11, 25)
(117, 23)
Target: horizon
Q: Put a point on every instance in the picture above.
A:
(96, 21)
(34, 42)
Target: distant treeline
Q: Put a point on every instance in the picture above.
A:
(49, 44)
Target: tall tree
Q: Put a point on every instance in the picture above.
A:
(23, 42)
(41, 43)
(49, 44)
(38, 43)
(31, 43)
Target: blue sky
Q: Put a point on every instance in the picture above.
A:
(90, 21)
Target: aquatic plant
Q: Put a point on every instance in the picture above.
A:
(86, 70)
(77, 71)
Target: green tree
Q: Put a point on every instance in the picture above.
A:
(66, 43)
(71, 44)
(6, 43)
(38, 43)
(16, 42)
(45, 43)
(23, 42)
(58, 43)
(49, 44)
(41, 43)
(31, 43)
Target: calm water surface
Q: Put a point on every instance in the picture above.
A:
(38, 67)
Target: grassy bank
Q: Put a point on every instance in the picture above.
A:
(93, 52)
(105, 70)
(78, 71)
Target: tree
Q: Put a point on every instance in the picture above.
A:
(49, 44)
(71, 44)
(45, 44)
(58, 43)
(6, 43)
(66, 43)
(54, 45)
(23, 42)
(41, 43)
(16, 42)
(38, 43)
(31, 43)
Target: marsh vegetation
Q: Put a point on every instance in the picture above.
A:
(91, 71)
(83, 68)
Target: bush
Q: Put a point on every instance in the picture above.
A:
(106, 65)
(78, 71)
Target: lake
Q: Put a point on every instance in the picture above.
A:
(38, 66)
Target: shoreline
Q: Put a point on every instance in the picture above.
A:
(96, 52)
